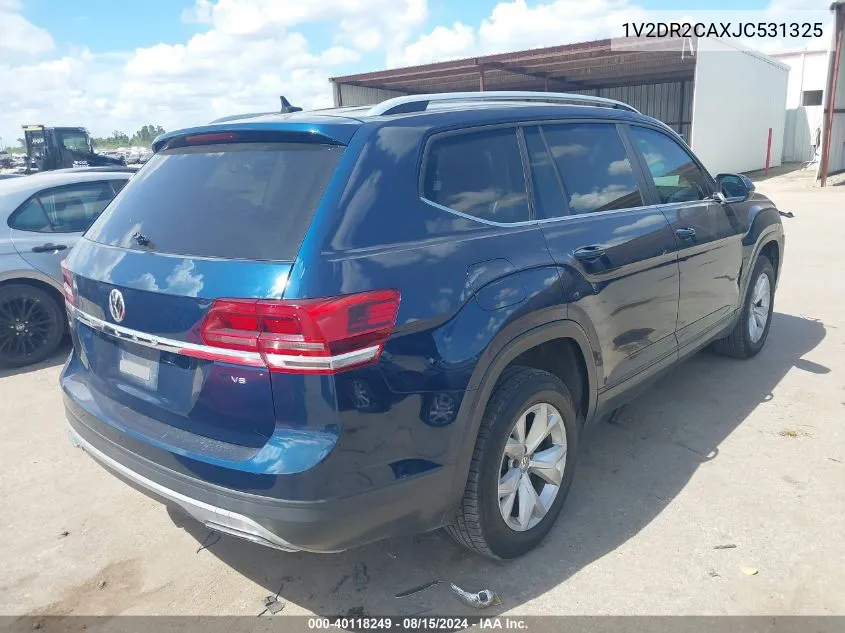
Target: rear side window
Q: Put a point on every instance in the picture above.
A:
(31, 217)
(478, 173)
(236, 201)
(73, 209)
(69, 209)
(594, 166)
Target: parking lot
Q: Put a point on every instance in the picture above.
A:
(749, 454)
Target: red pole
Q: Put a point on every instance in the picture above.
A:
(768, 151)
(830, 97)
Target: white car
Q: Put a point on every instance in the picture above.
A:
(42, 216)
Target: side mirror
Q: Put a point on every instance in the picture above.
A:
(735, 187)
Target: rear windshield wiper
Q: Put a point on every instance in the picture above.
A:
(142, 240)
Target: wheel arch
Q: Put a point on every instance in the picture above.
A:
(771, 249)
(24, 278)
(507, 347)
(764, 237)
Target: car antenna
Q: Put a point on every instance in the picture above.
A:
(287, 107)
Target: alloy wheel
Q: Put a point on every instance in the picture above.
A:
(758, 315)
(532, 466)
(26, 325)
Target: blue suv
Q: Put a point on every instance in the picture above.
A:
(317, 329)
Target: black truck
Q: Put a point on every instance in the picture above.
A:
(50, 148)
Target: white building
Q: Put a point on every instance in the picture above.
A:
(805, 90)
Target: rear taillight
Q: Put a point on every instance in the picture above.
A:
(67, 283)
(305, 335)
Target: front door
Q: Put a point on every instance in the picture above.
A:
(707, 233)
(615, 255)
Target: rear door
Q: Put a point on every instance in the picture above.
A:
(200, 222)
(48, 224)
(615, 253)
(706, 231)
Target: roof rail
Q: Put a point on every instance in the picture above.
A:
(419, 103)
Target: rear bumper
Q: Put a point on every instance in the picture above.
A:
(212, 516)
(408, 506)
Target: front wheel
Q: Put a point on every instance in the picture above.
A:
(752, 328)
(31, 325)
(522, 466)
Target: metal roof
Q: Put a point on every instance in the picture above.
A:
(560, 68)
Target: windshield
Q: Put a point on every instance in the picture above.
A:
(238, 201)
(75, 142)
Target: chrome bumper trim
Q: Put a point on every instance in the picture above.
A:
(299, 364)
(211, 516)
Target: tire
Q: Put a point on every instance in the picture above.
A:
(480, 523)
(32, 325)
(745, 340)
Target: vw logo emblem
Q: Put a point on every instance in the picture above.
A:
(116, 305)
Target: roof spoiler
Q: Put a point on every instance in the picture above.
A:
(285, 109)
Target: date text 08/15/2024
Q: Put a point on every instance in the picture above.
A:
(416, 623)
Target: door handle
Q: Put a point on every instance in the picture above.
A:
(685, 233)
(46, 248)
(589, 253)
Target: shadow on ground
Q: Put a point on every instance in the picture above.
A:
(627, 474)
(56, 358)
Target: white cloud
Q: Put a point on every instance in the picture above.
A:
(516, 25)
(199, 13)
(441, 44)
(19, 36)
(248, 55)
(361, 35)
(619, 167)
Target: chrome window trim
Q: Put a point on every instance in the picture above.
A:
(520, 124)
(541, 220)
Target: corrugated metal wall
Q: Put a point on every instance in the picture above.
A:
(667, 102)
(799, 133)
(362, 95)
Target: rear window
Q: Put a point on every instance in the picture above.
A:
(238, 201)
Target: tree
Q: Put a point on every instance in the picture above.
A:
(146, 135)
(120, 138)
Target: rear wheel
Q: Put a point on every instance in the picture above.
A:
(31, 325)
(752, 328)
(522, 466)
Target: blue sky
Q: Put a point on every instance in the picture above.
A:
(110, 64)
